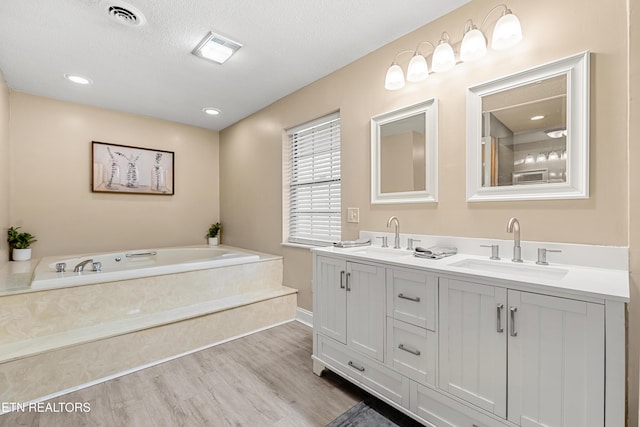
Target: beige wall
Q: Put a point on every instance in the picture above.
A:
(4, 169)
(634, 211)
(51, 177)
(250, 151)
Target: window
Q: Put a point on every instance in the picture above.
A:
(314, 182)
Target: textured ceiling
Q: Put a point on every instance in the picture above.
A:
(149, 69)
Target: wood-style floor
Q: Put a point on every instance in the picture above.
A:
(264, 379)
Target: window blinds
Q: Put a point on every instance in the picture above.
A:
(314, 182)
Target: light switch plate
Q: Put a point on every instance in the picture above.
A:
(353, 215)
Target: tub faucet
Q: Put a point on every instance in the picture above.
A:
(514, 227)
(396, 242)
(79, 268)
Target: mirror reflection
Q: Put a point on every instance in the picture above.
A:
(528, 134)
(524, 134)
(402, 155)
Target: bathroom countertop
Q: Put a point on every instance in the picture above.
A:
(598, 283)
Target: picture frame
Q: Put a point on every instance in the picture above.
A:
(131, 170)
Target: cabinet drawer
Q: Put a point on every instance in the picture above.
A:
(441, 411)
(411, 297)
(412, 351)
(378, 377)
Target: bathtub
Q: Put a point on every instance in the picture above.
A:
(134, 264)
(136, 312)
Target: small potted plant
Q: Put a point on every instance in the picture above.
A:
(212, 234)
(20, 244)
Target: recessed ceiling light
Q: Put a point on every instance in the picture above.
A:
(537, 118)
(78, 79)
(216, 48)
(558, 133)
(211, 111)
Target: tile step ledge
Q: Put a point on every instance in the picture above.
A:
(37, 345)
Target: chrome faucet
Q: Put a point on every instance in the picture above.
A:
(514, 227)
(396, 242)
(79, 268)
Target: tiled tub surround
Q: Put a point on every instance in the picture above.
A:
(53, 340)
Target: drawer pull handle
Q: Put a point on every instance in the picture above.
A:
(353, 365)
(342, 279)
(499, 327)
(348, 286)
(409, 350)
(414, 299)
(513, 310)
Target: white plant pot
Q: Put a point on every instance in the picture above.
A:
(21, 254)
(213, 241)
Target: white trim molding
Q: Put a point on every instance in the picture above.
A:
(304, 316)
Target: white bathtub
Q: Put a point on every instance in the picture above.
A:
(134, 264)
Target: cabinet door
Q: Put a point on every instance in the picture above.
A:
(473, 344)
(556, 361)
(331, 297)
(366, 309)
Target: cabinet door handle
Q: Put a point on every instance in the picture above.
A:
(403, 296)
(348, 277)
(342, 279)
(499, 327)
(409, 350)
(353, 365)
(513, 310)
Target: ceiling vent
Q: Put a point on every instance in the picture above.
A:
(123, 13)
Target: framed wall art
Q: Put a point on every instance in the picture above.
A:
(132, 170)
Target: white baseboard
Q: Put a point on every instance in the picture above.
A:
(304, 316)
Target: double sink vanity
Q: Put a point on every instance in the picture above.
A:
(468, 340)
(502, 332)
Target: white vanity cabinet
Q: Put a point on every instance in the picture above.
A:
(545, 353)
(455, 349)
(349, 317)
(351, 307)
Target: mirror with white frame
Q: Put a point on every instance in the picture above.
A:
(528, 134)
(404, 147)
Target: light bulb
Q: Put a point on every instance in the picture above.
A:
(529, 158)
(418, 69)
(541, 157)
(443, 58)
(507, 31)
(474, 46)
(553, 155)
(395, 78)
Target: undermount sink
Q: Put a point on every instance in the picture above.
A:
(379, 251)
(516, 269)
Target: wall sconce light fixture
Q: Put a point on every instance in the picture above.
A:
(506, 33)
